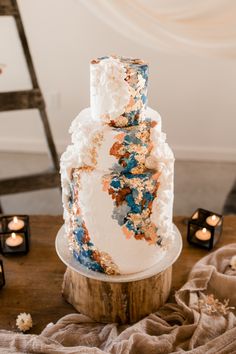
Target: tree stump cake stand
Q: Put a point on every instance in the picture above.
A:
(120, 298)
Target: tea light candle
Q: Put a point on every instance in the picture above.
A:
(212, 220)
(16, 224)
(14, 240)
(195, 216)
(203, 234)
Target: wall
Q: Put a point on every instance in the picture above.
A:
(195, 95)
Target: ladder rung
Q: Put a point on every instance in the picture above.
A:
(29, 183)
(7, 8)
(16, 100)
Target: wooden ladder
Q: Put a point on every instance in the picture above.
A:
(28, 99)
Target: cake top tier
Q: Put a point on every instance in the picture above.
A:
(118, 89)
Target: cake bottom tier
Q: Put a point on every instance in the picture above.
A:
(111, 221)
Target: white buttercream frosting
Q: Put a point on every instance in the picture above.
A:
(83, 130)
(91, 143)
(108, 88)
(130, 255)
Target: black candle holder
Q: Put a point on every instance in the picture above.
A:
(13, 241)
(204, 228)
(2, 276)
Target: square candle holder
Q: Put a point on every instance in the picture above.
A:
(204, 228)
(14, 234)
(2, 276)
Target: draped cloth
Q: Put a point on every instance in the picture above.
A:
(198, 322)
(200, 26)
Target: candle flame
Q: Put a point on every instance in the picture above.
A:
(15, 219)
(213, 217)
(204, 230)
(13, 235)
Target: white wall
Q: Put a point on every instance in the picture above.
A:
(195, 95)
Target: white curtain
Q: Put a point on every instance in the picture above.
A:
(203, 26)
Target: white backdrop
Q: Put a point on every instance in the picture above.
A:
(192, 86)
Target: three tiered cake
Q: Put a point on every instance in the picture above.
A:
(117, 176)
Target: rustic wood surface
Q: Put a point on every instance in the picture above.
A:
(16, 100)
(33, 281)
(116, 302)
(27, 99)
(7, 8)
(37, 181)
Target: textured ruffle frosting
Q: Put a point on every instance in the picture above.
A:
(84, 133)
(118, 90)
(109, 89)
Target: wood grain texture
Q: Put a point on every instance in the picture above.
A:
(28, 99)
(25, 45)
(28, 183)
(34, 281)
(7, 8)
(17, 100)
(116, 302)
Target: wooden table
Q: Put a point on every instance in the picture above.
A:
(33, 281)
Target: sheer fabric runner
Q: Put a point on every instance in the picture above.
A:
(202, 26)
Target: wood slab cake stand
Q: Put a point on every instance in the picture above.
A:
(121, 298)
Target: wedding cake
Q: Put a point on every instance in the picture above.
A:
(117, 175)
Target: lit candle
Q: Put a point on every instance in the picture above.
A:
(212, 220)
(14, 240)
(203, 234)
(195, 215)
(16, 224)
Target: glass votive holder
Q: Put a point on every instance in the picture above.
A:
(15, 234)
(14, 243)
(14, 222)
(2, 276)
(204, 228)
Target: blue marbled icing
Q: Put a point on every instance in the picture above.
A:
(84, 253)
(86, 261)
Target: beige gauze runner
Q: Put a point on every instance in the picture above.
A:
(201, 321)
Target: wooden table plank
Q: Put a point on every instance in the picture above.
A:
(33, 281)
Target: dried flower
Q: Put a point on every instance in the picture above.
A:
(151, 162)
(24, 321)
(211, 306)
(233, 263)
